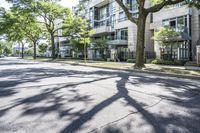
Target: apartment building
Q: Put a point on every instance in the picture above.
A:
(111, 24)
(183, 19)
(63, 47)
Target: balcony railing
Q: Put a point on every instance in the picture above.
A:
(118, 40)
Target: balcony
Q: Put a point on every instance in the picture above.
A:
(119, 40)
(98, 3)
(103, 29)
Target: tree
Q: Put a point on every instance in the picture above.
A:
(28, 52)
(50, 12)
(42, 48)
(78, 30)
(11, 29)
(166, 35)
(23, 22)
(140, 19)
(31, 28)
(85, 39)
(100, 45)
(5, 47)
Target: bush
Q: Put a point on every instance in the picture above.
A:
(155, 61)
(130, 60)
(99, 59)
(167, 62)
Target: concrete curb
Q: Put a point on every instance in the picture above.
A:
(134, 70)
(146, 71)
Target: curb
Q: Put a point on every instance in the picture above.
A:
(141, 71)
(133, 70)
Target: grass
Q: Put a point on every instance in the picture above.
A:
(122, 66)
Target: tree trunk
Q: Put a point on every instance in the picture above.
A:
(140, 41)
(34, 50)
(53, 47)
(22, 50)
(85, 53)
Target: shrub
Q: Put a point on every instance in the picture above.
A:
(155, 61)
(130, 60)
(167, 62)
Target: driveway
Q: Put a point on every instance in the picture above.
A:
(39, 97)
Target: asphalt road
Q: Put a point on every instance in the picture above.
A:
(40, 97)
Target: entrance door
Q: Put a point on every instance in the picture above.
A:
(122, 53)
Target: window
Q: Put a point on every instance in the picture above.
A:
(151, 18)
(172, 23)
(122, 34)
(179, 23)
(103, 12)
(112, 21)
(112, 7)
(122, 16)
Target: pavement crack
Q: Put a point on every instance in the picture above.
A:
(133, 112)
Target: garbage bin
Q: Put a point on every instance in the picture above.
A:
(198, 55)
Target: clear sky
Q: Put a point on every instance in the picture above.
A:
(65, 3)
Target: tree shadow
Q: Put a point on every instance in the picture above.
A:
(157, 122)
(183, 94)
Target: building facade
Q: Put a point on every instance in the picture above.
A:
(62, 45)
(183, 19)
(111, 24)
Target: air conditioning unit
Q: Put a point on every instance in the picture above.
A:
(198, 55)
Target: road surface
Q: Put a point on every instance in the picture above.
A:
(39, 97)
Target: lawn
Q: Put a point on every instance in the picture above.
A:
(177, 70)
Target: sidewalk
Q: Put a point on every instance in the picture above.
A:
(185, 71)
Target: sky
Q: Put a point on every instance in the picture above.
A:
(65, 3)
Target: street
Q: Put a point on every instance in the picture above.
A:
(44, 97)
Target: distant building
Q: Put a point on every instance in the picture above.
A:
(17, 48)
(63, 47)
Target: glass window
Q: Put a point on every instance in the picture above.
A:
(121, 16)
(112, 7)
(180, 23)
(165, 23)
(122, 34)
(102, 12)
(172, 23)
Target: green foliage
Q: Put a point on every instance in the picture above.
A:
(28, 52)
(77, 30)
(130, 60)
(46, 13)
(167, 62)
(165, 34)
(75, 27)
(154, 2)
(20, 25)
(76, 45)
(18, 52)
(42, 48)
(5, 47)
(100, 44)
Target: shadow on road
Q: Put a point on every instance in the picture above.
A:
(159, 123)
